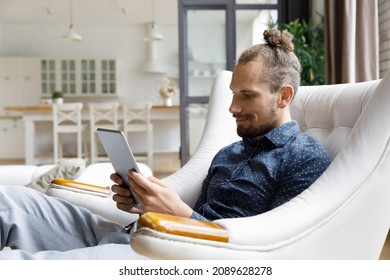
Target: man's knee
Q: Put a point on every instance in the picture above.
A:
(15, 196)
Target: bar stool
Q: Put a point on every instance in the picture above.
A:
(103, 115)
(67, 120)
(137, 118)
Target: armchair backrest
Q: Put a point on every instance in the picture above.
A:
(330, 112)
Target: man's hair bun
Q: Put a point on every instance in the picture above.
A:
(279, 39)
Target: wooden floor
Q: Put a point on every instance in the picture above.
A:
(385, 255)
(11, 161)
(164, 169)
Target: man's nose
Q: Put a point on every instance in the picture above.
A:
(234, 106)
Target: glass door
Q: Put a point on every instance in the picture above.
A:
(206, 48)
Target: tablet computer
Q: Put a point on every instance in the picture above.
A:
(118, 150)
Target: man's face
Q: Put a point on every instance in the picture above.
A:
(254, 106)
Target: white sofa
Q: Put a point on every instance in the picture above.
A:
(345, 214)
(21, 174)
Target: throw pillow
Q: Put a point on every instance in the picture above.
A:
(69, 169)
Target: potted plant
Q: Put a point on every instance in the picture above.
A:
(58, 97)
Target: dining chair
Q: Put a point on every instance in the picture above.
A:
(137, 119)
(67, 119)
(101, 115)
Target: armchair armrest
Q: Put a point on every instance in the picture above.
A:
(98, 175)
(80, 187)
(183, 226)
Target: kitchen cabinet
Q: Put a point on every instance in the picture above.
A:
(19, 81)
(78, 77)
(11, 137)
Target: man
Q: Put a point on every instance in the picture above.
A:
(272, 164)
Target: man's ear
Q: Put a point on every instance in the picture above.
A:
(286, 94)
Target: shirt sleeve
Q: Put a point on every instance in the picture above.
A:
(198, 216)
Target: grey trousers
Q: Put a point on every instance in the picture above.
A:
(36, 226)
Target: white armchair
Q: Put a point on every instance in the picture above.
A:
(345, 214)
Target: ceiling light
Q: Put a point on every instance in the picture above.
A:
(71, 35)
(152, 64)
(152, 34)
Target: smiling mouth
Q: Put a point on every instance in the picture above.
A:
(240, 119)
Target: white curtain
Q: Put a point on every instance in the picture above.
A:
(352, 40)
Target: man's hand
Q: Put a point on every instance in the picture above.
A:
(123, 197)
(152, 194)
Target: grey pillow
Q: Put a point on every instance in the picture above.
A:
(69, 169)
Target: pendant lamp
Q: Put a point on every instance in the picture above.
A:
(152, 34)
(71, 35)
(152, 65)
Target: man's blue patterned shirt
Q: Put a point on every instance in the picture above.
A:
(252, 176)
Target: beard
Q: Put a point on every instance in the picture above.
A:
(258, 130)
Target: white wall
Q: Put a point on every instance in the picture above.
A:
(122, 42)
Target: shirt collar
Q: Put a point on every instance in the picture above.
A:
(279, 136)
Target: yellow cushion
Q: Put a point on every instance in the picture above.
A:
(183, 226)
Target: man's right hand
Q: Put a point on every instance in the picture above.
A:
(122, 196)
